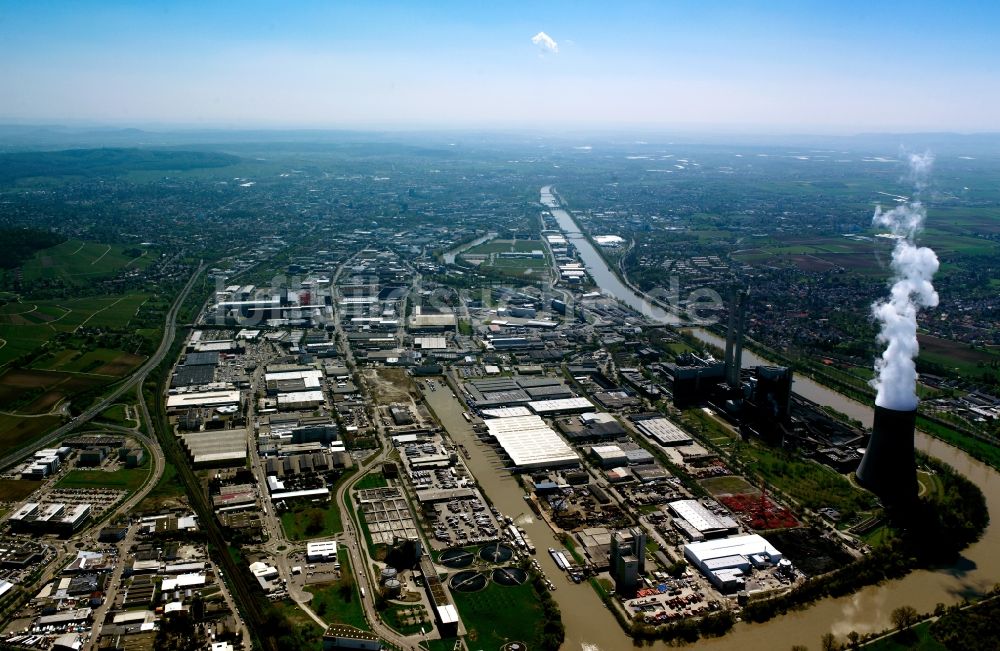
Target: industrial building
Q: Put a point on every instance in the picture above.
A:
(662, 431)
(530, 443)
(696, 522)
(560, 406)
(203, 399)
(322, 552)
(57, 518)
(226, 447)
(725, 561)
(628, 559)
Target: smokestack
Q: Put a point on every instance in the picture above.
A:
(888, 468)
(734, 336)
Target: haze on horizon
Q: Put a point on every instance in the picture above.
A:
(779, 66)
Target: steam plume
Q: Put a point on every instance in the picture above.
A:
(913, 267)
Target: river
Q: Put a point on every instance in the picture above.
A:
(598, 269)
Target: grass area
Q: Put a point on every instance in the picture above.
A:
(917, 638)
(981, 450)
(811, 484)
(115, 414)
(500, 614)
(371, 480)
(15, 490)
(308, 520)
(407, 619)
(311, 635)
(127, 479)
(339, 601)
(708, 426)
(727, 485)
(506, 246)
(166, 491)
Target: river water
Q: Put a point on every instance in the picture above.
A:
(598, 269)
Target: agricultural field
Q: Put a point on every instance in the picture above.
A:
(24, 327)
(15, 490)
(17, 432)
(75, 262)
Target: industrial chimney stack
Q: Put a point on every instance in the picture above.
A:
(888, 468)
(734, 336)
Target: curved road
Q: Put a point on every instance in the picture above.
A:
(136, 379)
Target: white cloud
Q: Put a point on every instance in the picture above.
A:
(545, 42)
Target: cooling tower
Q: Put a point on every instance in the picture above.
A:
(888, 468)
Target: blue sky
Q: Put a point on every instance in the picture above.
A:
(837, 67)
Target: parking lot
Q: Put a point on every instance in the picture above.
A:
(462, 522)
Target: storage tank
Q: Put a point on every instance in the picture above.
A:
(393, 588)
(388, 574)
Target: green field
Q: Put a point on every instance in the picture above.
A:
(506, 246)
(75, 262)
(811, 484)
(166, 491)
(15, 490)
(17, 432)
(307, 520)
(371, 480)
(24, 327)
(728, 485)
(917, 638)
(339, 601)
(500, 614)
(127, 479)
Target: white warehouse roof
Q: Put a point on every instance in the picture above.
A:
(560, 404)
(203, 399)
(530, 443)
(748, 545)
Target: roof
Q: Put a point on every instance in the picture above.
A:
(699, 517)
(663, 431)
(737, 545)
(561, 404)
(529, 442)
(203, 399)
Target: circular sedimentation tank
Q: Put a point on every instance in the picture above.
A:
(468, 581)
(457, 558)
(496, 553)
(509, 576)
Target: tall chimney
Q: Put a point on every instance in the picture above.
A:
(888, 468)
(734, 336)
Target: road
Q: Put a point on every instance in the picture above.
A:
(136, 379)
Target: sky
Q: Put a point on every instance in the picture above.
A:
(777, 66)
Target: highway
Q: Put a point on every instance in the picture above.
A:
(136, 379)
